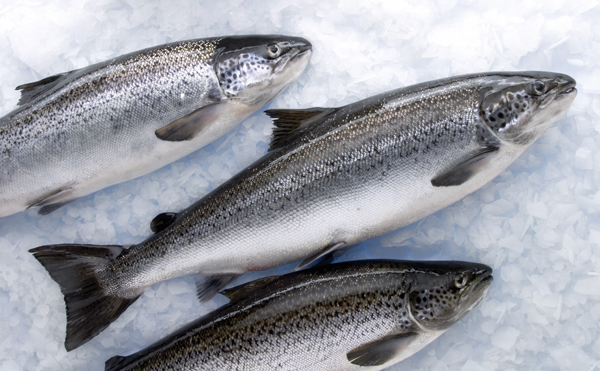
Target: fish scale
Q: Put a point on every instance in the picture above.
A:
(87, 129)
(332, 178)
(339, 164)
(314, 319)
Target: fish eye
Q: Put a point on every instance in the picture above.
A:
(539, 87)
(274, 50)
(460, 281)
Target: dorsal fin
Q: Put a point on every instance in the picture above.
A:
(115, 363)
(237, 292)
(162, 221)
(289, 123)
(33, 90)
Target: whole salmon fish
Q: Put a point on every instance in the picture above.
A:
(363, 315)
(334, 177)
(84, 130)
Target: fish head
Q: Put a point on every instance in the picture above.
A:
(254, 69)
(518, 107)
(441, 293)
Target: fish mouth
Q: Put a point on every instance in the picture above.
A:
(478, 291)
(566, 84)
(304, 46)
(480, 288)
(568, 91)
(484, 276)
(485, 282)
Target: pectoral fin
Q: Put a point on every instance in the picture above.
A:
(321, 254)
(465, 170)
(381, 351)
(187, 127)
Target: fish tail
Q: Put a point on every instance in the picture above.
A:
(74, 268)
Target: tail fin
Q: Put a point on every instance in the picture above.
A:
(73, 267)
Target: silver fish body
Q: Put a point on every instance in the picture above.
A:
(334, 178)
(84, 130)
(347, 316)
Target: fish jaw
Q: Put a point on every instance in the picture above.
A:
(253, 74)
(520, 106)
(307, 320)
(438, 302)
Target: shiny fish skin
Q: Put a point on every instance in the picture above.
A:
(313, 319)
(94, 127)
(362, 171)
(354, 173)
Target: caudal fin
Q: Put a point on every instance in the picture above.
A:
(89, 309)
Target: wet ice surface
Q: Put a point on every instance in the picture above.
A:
(537, 224)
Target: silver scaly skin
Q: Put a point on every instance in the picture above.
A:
(333, 178)
(84, 130)
(364, 315)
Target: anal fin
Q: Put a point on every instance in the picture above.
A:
(45, 210)
(54, 201)
(187, 127)
(465, 170)
(321, 254)
(381, 351)
(237, 292)
(209, 286)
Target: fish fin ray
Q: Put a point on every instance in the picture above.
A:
(187, 127)
(47, 209)
(289, 123)
(59, 195)
(244, 289)
(162, 221)
(380, 351)
(321, 254)
(89, 309)
(115, 363)
(32, 90)
(465, 170)
(209, 286)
